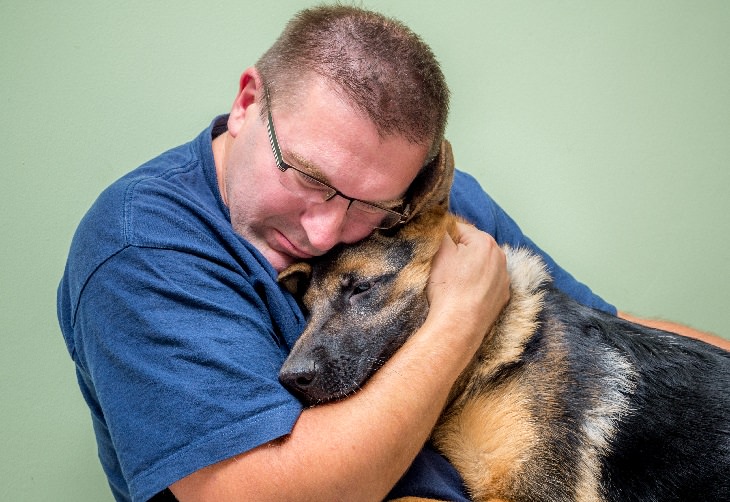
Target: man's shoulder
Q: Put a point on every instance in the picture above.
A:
(169, 202)
(469, 200)
(467, 186)
(157, 199)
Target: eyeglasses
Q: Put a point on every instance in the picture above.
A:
(313, 190)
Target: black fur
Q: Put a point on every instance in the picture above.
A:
(673, 443)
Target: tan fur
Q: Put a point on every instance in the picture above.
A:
(483, 441)
(519, 319)
(415, 274)
(489, 436)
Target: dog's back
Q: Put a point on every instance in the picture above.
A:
(673, 443)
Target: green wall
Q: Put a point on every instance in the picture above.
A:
(602, 127)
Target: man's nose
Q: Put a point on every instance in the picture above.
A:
(324, 223)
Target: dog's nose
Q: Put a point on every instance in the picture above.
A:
(299, 375)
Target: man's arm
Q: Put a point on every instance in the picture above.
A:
(679, 329)
(358, 448)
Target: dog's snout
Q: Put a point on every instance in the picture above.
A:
(299, 376)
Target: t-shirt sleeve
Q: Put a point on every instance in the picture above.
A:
(430, 476)
(184, 355)
(471, 202)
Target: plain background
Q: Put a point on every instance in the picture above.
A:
(603, 128)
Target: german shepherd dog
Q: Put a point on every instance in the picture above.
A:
(560, 403)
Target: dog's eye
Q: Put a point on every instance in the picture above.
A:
(361, 287)
(353, 287)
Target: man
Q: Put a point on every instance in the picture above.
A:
(169, 303)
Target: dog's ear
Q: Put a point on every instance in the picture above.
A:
(295, 278)
(433, 184)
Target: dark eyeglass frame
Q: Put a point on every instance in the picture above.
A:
(391, 218)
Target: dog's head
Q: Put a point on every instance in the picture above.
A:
(365, 300)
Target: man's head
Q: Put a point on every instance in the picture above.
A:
(358, 102)
(376, 63)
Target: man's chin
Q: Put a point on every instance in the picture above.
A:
(282, 252)
(279, 260)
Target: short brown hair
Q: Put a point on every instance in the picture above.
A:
(380, 65)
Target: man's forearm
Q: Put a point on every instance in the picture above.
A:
(354, 449)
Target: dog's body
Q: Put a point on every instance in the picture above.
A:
(561, 402)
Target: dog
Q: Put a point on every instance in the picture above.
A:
(561, 402)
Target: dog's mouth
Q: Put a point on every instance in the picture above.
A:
(319, 377)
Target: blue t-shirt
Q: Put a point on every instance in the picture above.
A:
(178, 328)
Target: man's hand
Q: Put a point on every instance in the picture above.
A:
(469, 284)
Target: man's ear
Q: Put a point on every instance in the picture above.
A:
(250, 91)
(295, 278)
(432, 186)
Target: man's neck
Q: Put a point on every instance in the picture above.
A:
(219, 155)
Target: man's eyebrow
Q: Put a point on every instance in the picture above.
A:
(312, 170)
(309, 167)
